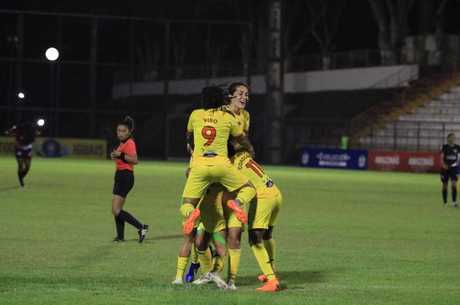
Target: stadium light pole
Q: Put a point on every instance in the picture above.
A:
(274, 113)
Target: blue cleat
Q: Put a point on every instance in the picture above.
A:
(192, 271)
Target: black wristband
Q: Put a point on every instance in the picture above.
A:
(122, 157)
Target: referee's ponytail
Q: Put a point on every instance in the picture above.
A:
(128, 122)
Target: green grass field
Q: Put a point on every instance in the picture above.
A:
(343, 237)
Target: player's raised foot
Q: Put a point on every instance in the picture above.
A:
(192, 271)
(262, 278)
(238, 210)
(143, 232)
(118, 240)
(270, 286)
(189, 223)
(218, 280)
(204, 279)
(177, 282)
(231, 285)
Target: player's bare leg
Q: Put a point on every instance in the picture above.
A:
(445, 186)
(453, 185)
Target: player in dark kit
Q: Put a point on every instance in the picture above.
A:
(24, 134)
(125, 157)
(449, 163)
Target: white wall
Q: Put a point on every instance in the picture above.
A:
(302, 82)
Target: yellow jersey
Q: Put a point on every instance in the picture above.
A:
(243, 118)
(212, 129)
(255, 173)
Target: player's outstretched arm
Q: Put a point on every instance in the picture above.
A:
(243, 140)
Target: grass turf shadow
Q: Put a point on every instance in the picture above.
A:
(290, 278)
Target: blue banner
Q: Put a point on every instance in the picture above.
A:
(334, 158)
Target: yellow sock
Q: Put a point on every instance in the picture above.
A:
(234, 263)
(270, 245)
(263, 260)
(186, 209)
(246, 194)
(205, 259)
(218, 264)
(194, 255)
(182, 262)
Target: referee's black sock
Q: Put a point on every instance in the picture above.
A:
(444, 195)
(454, 194)
(120, 226)
(125, 216)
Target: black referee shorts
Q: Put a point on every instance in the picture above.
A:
(23, 153)
(449, 174)
(124, 182)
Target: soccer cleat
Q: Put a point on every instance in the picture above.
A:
(262, 278)
(454, 204)
(177, 282)
(143, 232)
(204, 279)
(189, 224)
(231, 285)
(270, 286)
(218, 280)
(118, 240)
(239, 212)
(192, 271)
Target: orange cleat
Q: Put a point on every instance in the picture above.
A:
(189, 223)
(262, 278)
(270, 286)
(239, 212)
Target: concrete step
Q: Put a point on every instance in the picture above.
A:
(443, 104)
(449, 96)
(390, 141)
(430, 118)
(423, 125)
(438, 111)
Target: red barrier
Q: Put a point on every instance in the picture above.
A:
(404, 161)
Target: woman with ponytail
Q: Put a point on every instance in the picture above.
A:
(125, 157)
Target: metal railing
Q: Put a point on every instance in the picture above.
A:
(410, 136)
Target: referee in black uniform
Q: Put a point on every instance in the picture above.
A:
(449, 163)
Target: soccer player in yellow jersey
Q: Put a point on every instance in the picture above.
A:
(208, 131)
(263, 212)
(237, 101)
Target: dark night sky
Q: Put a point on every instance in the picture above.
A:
(357, 29)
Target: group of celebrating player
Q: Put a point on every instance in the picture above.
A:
(223, 182)
(225, 189)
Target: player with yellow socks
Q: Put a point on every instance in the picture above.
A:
(213, 222)
(238, 98)
(263, 211)
(208, 132)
